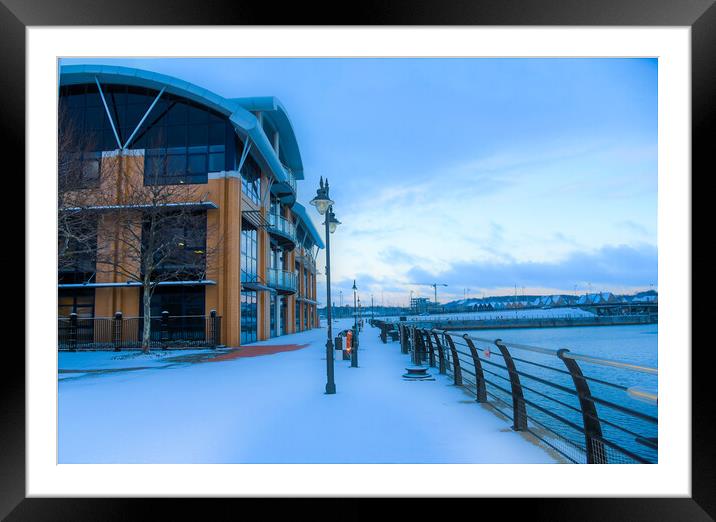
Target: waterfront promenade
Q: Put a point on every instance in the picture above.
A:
(239, 406)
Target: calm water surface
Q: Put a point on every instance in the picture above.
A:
(633, 344)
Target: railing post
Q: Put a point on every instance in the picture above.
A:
(165, 330)
(384, 332)
(419, 346)
(481, 391)
(117, 331)
(590, 418)
(457, 372)
(441, 353)
(519, 410)
(73, 332)
(213, 322)
(431, 349)
(403, 338)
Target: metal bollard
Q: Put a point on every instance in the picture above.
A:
(73, 332)
(117, 331)
(165, 330)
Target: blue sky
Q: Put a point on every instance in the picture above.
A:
(484, 174)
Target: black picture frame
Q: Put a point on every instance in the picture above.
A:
(700, 15)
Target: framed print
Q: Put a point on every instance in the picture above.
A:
(410, 253)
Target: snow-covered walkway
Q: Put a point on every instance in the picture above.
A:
(272, 409)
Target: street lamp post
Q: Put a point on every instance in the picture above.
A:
(324, 205)
(354, 349)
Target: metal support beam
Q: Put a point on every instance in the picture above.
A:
(244, 154)
(131, 137)
(109, 115)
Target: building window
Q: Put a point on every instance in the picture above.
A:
(249, 253)
(272, 313)
(76, 300)
(183, 140)
(179, 301)
(298, 316)
(186, 307)
(180, 245)
(251, 179)
(249, 323)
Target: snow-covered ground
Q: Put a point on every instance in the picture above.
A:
(272, 409)
(509, 314)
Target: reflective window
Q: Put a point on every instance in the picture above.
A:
(249, 323)
(183, 140)
(251, 179)
(180, 245)
(249, 253)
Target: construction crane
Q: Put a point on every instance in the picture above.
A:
(435, 288)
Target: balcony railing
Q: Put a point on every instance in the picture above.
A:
(282, 227)
(282, 280)
(290, 178)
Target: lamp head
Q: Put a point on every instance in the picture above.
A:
(322, 202)
(332, 221)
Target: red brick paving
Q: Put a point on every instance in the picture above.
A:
(255, 351)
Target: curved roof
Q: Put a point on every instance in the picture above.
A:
(300, 212)
(244, 121)
(276, 112)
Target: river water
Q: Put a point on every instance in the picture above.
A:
(634, 344)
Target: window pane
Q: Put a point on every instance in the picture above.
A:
(90, 169)
(108, 140)
(94, 117)
(176, 114)
(217, 134)
(216, 162)
(197, 115)
(176, 136)
(176, 165)
(198, 135)
(197, 164)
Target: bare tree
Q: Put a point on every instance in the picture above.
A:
(77, 173)
(152, 229)
(139, 221)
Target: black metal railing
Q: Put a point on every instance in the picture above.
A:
(125, 333)
(589, 410)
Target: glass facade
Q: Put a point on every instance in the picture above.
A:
(249, 253)
(272, 313)
(249, 273)
(75, 300)
(249, 324)
(180, 246)
(251, 179)
(183, 141)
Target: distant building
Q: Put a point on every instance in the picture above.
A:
(420, 305)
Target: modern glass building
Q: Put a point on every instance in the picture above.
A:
(243, 155)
